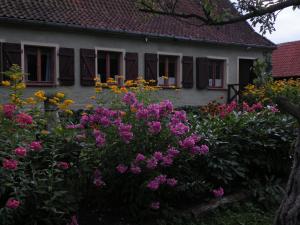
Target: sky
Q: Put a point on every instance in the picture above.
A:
(287, 27)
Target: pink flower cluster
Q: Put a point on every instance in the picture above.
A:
(10, 164)
(190, 143)
(63, 165)
(218, 193)
(100, 138)
(12, 203)
(253, 108)
(160, 180)
(98, 182)
(36, 146)
(226, 109)
(24, 119)
(20, 151)
(9, 110)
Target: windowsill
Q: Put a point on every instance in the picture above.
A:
(40, 84)
(216, 89)
(168, 87)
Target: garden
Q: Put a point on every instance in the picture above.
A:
(138, 160)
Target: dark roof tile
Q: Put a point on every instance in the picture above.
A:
(124, 15)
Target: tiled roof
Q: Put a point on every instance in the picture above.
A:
(286, 60)
(124, 16)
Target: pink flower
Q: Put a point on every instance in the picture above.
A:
(10, 164)
(167, 161)
(129, 98)
(178, 129)
(9, 110)
(152, 163)
(142, 114)
(153, 185)
(20, 151)
(24, 119)
(154, 127)
(161, 179)
(273, 108)
(218, 193)
(63, 165)
(12, 203)
(98, 182)
(155, 205)
(73, 221)
(100, 138)
(84, 119)
(204, 149)
(140, 157)
(121, 168)
(125, 132)
(158, 155)
(135, 169)
(36, 146)
(172, 182)
(189, 142)
(173, 152)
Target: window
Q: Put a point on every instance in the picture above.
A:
(39, 64)
(168, 68)
(216, 73)
(109, 65)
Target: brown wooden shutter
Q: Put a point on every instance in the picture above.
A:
(187, 72)
(132, 66)
(87, 67)
(150, 66)
(11, 55)
(202, 73)
(66, 66)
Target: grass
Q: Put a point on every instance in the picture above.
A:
(240, 214)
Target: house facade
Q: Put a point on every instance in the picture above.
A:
(62, 45)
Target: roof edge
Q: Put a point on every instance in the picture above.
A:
(129, 33)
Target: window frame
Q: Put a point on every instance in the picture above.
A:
(225, 69)
(178, 75)
(122, 66)
(55, 65)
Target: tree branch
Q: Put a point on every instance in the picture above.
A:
(285, 105)
(255, 12)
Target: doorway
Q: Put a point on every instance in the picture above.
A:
(246, 74)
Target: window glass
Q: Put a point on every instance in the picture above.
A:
(162, 65)
(114, 64)
(102, 66)
(31, 66)
(46, 64)
(39, 63)
(172, 68)
(216, 70)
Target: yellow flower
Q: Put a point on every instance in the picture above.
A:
(31, 101)
(68, 102)
(123, 89)
(60, 95)
(40, 95)
(98, 84)
(98, 89)
(68, 111)
(20, 86)
(5, 83)
(53, 101)
(93, 97)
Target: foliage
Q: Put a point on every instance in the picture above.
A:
(268, 92)
(136, 158)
